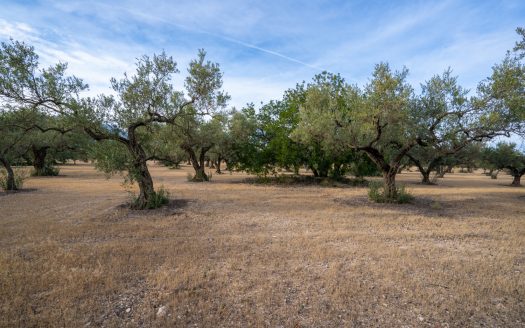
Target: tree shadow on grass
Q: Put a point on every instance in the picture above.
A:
(422, 206)
(19, 191)
(173, 208)
(304, 181)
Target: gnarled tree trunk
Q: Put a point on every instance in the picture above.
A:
(10, 183)
(389, 179)
(145, 182)
(39, 160)
(425, 177)
(322, 169)
(337, 171)
(140, 173)
(389, 169)
(516, 182)
(425, 172)
(218, 165)
(198, 163)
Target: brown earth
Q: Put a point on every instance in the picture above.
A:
(233, 254)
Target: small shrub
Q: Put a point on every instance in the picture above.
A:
(158, 199)
(403, 196)
(47, 170)
(436, 206)
(376, 193)
(20, 176)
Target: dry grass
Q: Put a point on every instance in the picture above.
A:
(236, 255)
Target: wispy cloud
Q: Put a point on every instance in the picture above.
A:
(265, 47)
(159, 19)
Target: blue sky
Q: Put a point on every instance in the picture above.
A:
(265, 47)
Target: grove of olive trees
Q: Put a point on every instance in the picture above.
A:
(327, 126)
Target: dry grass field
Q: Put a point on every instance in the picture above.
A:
(233, 254)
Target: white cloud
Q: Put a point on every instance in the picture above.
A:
(254, 90)
(264, 47)
(17, 31)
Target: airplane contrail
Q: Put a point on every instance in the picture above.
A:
(223, 37)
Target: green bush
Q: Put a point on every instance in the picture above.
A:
(47, 170)
(20, 176)
(158, 199)
(376, 193)
(287, 179)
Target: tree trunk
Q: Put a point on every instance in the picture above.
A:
(426, 177)
(323, 174)
(425, 173)
(516, 182)
(201, 175)
(219, 160)
(296, 169)
(145, 182)
(389, 178)
(314, 171)
(323, 168)
(337, 171)
(140, 173)
(10, 183)
(198, 164)
(39, 160)
(441, 170)
(143, 177)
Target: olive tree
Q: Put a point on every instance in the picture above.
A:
(376, 120)
(143, 100)
(504, 89)
(441, 96)
(26, 90)
(386, 120)
(12, 145)
(505, 156)
(52, 139)
(197, 137)
(317, 130)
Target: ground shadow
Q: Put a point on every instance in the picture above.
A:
(12, 192)
(286, 181)
(423, 206)
(173, 208)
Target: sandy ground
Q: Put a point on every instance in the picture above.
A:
(233, 254)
